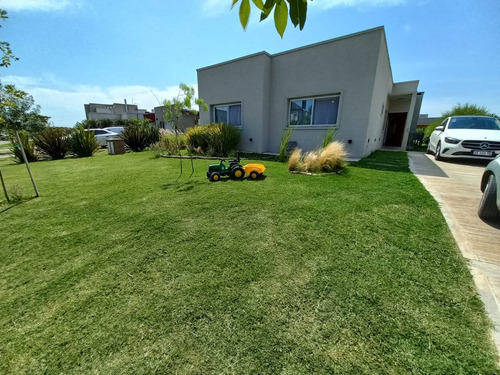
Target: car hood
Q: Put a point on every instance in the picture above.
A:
(477, 135)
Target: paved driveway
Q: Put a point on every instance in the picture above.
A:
(455, 186)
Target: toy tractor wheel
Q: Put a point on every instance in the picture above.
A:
(238, 173)
(254, 175)
(215, 177)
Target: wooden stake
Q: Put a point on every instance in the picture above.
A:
(4, 188)
(27, 164)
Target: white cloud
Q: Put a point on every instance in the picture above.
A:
(216, 7)
(65, 105)
(327, 4)
(38, 5)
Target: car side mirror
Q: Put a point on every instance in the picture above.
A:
(439, 128)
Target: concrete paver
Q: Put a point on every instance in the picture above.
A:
(455, 186)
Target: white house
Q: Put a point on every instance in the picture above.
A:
(345, 83)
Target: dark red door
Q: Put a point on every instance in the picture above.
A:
(395, 129)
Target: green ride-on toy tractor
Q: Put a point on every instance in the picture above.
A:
(233, 170)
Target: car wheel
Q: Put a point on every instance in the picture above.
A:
(437, 154)
(254, 175)
(488, 206)
(215, 177)
(238, 173)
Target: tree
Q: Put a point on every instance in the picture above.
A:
(297, 9)
(176, 107)
(7, 55)
(459, 110)
(19, 112)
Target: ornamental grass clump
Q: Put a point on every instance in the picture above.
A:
(53, 142)
(140, 134)
(311, 161)
(295, 161)
(83, 142)
(330, 159)
(29, 148)
(213, 139)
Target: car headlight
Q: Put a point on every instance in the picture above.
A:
(451, 140)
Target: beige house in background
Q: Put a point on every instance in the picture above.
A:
(345, 83)
(115, 111)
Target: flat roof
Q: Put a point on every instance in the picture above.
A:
(375, 29)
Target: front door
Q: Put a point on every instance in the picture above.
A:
(395, 129)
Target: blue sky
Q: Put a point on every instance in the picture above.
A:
(74, 52)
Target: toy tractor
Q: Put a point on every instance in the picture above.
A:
(234, 170)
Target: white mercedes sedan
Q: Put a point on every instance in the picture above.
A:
(476, 137)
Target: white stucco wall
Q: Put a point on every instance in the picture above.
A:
(379, 106)
(244, 81)
(356, 66)
(344, 65)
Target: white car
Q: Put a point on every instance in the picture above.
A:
(476, 137)
(115, 129)
(489, 208)
(103, 135)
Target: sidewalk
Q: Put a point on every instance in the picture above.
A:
(455, 186)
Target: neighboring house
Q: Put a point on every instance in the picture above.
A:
(425, 120)
(188, 119)
(344, 83)
(116, 111)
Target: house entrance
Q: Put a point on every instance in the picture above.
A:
(395, 129)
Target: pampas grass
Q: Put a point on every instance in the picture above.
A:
(332, 157)
(328, 159)
(311, 161)
(295, 162)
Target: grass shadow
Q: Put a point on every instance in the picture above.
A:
(12, 205)
(392, 161)
(181, 186)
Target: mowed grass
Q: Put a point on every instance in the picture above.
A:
(120, 269)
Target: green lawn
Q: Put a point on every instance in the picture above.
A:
(5, 148)
(120, 269)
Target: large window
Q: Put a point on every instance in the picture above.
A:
(229, 114)
(314, 111)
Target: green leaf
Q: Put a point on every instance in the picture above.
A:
(244, 13)
(298, 12)
(281, 17)
(234, 2)
(268, 7)
(258, 3)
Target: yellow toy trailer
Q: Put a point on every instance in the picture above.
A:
(254, 170)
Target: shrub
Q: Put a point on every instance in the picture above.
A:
(197, 138)
(328, 159)
(168, 144)
(224, 139)
(28, 145)
(53, 141)
(140, 134)
(82, 142)
(214, 139)
(294, 162)
(285, 138)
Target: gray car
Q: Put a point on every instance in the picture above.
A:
(489, 208)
